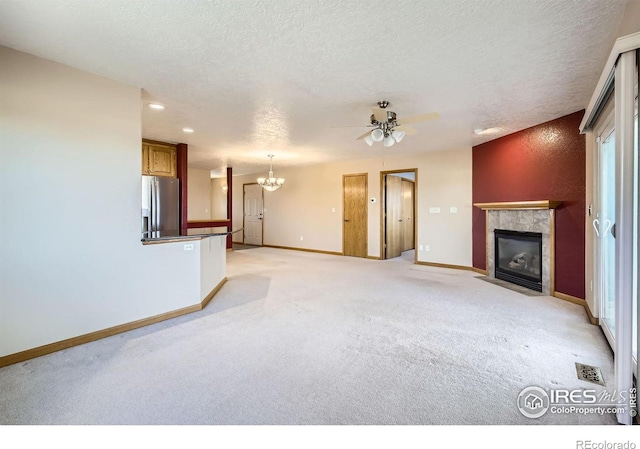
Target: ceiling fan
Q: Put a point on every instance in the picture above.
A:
(388, 128)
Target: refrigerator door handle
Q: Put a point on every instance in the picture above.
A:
(159, 224)
(147, 227)
(152, 212)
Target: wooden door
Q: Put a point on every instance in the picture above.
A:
(394, 239)
(355, 210)
(408, 188)
(253, 208)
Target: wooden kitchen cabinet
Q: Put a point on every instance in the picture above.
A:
(158, 159)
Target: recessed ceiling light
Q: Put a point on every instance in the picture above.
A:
(478, 131)
(187, 130)
(156, 106)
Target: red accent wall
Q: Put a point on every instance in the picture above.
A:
(545, 162)
(182, 160)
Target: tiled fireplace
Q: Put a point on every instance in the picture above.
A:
(526, 239)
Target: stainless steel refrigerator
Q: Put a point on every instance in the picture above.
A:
(160, 206)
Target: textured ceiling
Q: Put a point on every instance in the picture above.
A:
(283, 77)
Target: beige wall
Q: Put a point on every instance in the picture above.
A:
(71, 258)
(631, 20)
(304, 206)
(218, 199)
(198, 194)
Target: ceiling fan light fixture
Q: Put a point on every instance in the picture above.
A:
(388, 141)
(368, 140)
(377, 135)
(398, 135)
(388, 128)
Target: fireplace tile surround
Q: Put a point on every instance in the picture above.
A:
(525, 216)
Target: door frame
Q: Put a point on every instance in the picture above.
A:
(383, 223)
(243, 214)
(605, 126)
(413, 209)
(366, 223)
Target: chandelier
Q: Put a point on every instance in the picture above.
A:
(271, 183)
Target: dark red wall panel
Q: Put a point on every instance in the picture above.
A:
(182, 161)
(545, 162)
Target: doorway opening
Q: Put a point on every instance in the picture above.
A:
(398, 212)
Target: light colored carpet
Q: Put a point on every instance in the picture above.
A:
(304, 338)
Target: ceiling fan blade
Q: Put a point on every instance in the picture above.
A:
(408, 130)
(380, 114)
(364, 135)
(350, 126)
(419, 118)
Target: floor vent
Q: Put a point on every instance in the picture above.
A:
(589, 374)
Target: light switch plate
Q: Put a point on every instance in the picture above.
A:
(434, 210)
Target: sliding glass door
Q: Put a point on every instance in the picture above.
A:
(612, 115)
(604, 224)
(607, 233)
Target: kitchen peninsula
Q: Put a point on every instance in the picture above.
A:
(206, 252)
(192, 269)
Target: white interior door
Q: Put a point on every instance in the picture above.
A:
(253, 214)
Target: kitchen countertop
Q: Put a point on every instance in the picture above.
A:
(184, 238)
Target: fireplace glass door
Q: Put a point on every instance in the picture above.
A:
(518, 257)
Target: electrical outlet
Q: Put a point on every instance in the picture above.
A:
(426, 247)
(453, 210)
(188, 247)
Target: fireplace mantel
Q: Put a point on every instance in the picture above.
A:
(515, 205)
